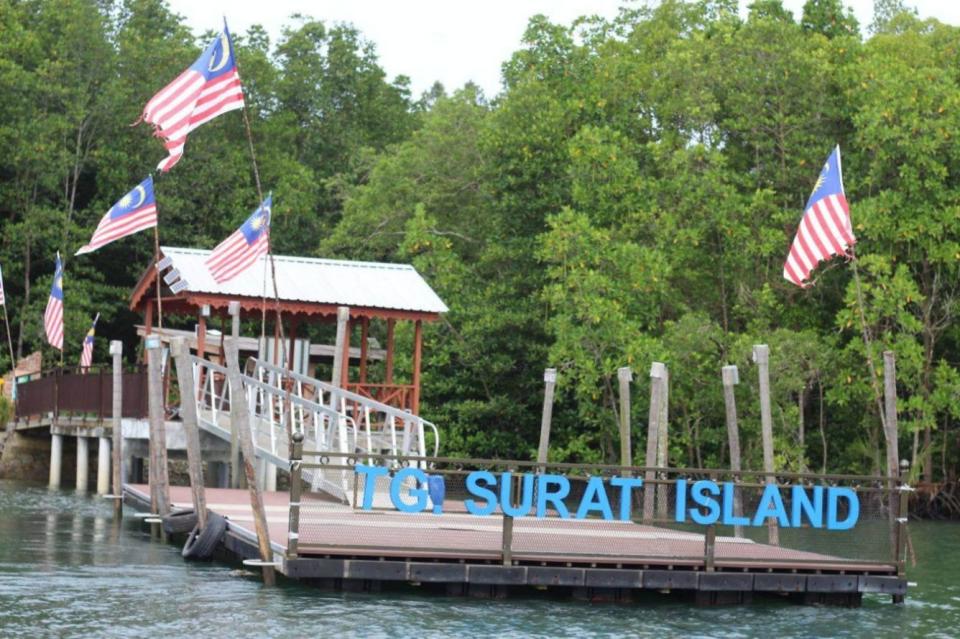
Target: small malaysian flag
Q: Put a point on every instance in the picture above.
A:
(134, 212)
(53, 316)
(86, 355)
(208, 88)
(239, 251)
(825, 230)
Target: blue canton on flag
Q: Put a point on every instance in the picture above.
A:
(134, 212)
(239, 251)
(825, 230)
(86, 355)
(53, 315)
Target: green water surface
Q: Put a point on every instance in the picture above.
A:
(66, 570)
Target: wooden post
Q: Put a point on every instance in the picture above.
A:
(417, 359)
(296, 479)
(188, 411)
(341, 349)
(625, 376)
(663, 441)
(550, 381)
(364, 337)
(294, 325)
(202, 336)
(233, 309)
(761, 355)
(890, 434)
(731, 377)
(159, 487)
(890, 408)
(388, 374)
(116, 351)
(148, 317)
(232, 352)
(657, 372)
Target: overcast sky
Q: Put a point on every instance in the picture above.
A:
(453, 41)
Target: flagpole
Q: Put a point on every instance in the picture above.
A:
(273, 266)
(867, 342)
(156, 268)
(13, 361)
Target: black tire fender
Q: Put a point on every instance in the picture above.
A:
(181, 521)
(201, 543)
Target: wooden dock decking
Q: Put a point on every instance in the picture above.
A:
(338, 542)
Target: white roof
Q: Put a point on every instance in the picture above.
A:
(313, 280)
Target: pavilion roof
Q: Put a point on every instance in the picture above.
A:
(304, 284)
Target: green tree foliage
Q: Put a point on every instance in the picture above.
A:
(629, 196)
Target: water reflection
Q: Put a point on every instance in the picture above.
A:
(68, 568)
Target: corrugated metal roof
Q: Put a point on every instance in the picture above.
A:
(319, 281)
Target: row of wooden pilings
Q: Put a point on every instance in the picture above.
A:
(657, 451)
(242, 447)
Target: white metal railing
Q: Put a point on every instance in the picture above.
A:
(384, 428)
(281, 403)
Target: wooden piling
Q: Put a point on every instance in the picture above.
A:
(890, 434)
(232, 353)
(340, 349)
(188, 413)
(731, 377)
(761, 356)
(116, 351)
(160, 485)
(233, 309)
(550, 382)
(624, 377)
(657, 372)
(663, 441)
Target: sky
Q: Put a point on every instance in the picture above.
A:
(453, 41)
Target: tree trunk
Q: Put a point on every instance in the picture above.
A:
(801, 435)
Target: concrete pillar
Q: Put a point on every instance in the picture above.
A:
(56, 460)
(83, 469)
(103, 466)
(270, 477)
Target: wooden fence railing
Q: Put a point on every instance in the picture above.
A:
(84, 392)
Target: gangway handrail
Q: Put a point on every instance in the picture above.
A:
(342, 393)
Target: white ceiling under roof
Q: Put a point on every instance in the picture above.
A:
(313, 280)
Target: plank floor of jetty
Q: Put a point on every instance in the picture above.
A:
(594, 557)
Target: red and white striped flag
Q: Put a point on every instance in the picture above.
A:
(53, 315)
(134, 212)
(209, 87)
(86, 355)
(825, 230)
(239, 251)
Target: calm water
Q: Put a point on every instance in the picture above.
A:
(67, 571)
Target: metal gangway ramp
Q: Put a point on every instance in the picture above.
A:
(281, 402)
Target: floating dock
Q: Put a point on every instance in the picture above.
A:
(595, 559)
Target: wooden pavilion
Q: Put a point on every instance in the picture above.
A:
(309, 290)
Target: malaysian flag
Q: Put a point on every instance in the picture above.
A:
(210, 86)
(825, 230)
(239, 251)
(135, 211)
(86, 355)
(53, 316)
